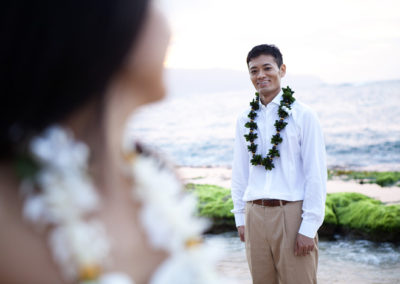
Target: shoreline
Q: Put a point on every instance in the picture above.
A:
(221, 176)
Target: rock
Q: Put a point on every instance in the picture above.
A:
(363, 217)
(347, 213)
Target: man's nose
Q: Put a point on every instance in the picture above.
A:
(260, 74)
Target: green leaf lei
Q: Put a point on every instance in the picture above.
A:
(258, 160)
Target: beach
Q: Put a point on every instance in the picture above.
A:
(221, 176)
(340, 261)
(195, 129)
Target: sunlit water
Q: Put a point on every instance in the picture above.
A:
(360, 123)
(340, 261)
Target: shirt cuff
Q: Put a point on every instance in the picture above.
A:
(308, 229)
(239, 219)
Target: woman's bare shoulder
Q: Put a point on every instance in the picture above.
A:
(24, 257)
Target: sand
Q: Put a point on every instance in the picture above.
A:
(222, 176)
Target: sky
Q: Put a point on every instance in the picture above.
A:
(341, 41)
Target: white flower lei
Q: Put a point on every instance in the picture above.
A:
(80, 245)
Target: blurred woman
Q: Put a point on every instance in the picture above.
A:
(76, 206)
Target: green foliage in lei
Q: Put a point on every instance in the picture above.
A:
(26, 167)
(258, 160)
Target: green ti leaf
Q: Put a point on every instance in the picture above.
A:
(267, 163)
(273, 152)
(256, 160)
(282, 113)
(250, 137)
(287, 95)
(252, 147)
(252, 114)
(276, 139)
(279, 125)
(251, 125)
(254, 104)
(26, 167)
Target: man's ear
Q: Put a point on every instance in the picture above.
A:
(282, 70)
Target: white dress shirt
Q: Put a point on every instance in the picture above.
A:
(300, 172)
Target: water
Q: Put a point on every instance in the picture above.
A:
(340, 261)
(196, 128)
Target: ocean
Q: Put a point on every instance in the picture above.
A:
(196, 126)
(340, 261)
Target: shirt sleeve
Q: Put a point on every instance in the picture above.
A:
(240, 174)
(315, 172)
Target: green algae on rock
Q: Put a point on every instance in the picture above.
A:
(351, 214)
(381, 178)
(361, 216)
(214, 203)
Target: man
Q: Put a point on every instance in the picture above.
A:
(278, 177)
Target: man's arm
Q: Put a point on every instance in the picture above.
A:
(315, 171)
(240, 175)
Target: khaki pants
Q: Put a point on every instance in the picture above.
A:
(270, 235)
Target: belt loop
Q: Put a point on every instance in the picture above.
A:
(280, 203)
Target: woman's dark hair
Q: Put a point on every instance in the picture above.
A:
(265, 49)
(57, 55)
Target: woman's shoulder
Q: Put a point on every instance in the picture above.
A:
(24, 257)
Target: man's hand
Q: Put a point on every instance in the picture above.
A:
(241, 232)
(304, 245)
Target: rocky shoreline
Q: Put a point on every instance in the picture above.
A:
(362, 211)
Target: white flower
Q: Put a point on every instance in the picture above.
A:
(62, 254)
(78, 243)
(63, 177)
(195, 265)
(115, 278)
(89, 241)
(286, 109)
(165, 201)
(68, 194)
(34, 209)
(57, 148)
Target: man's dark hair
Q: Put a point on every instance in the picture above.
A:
(266, 49)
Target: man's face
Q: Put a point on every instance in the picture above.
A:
(266, 75)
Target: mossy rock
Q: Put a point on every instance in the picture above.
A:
(381, 178)
(349, 213)
(330, 217)
(329, 226)
(215, 203)
(386, 180)
(338, 200)
(362, 216)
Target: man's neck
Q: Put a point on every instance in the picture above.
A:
(266, 98)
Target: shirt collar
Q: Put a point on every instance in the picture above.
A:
(276, 100)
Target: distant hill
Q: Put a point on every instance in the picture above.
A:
(221, 80)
